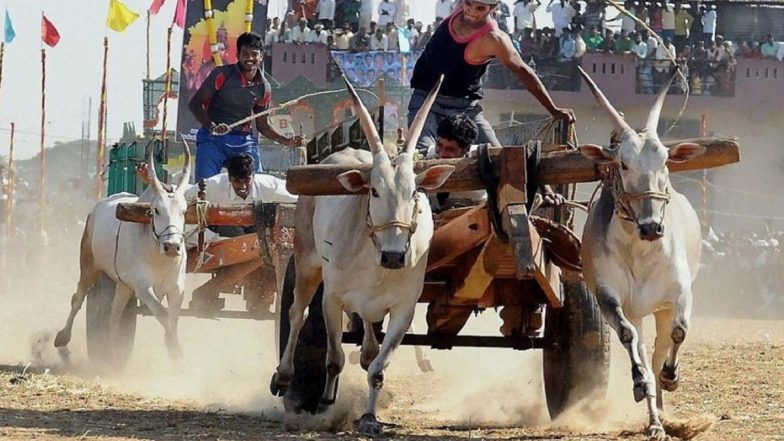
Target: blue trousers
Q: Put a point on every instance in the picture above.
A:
(212, 151)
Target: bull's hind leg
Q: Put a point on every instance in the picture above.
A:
(399, 321)
(121, 296)
(333, 319)
(630, 336)
(86, 281)
(307, 283)
(370, 345)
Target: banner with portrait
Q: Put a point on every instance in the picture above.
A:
(364, 69)
(197, 60)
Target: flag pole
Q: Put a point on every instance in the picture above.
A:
(2, 55)
(10, 189)
(101, 122)
(148, 44)
(248, 15)
(42, 183)
(209, 16)
(167, 88)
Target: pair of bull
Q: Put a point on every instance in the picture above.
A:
(641, 251)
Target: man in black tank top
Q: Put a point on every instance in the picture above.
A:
(461, 48)
(229, 94)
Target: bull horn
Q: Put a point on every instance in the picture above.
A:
(186, 169)
(619, 124)
(151, 175)
(653, 118)
(365, 120)
(419, 120)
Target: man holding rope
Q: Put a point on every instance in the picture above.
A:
(461, 49)
(230, 95)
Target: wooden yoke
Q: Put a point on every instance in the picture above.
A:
(512, 197)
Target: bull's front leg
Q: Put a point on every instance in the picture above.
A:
(333, 319)
(629, 335)
(121, 296)
(174, 301)
(399, 321)
(671, 328)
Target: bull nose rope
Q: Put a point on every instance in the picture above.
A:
(410, 226)
(623, 199)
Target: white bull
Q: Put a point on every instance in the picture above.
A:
(370, 251)
(146, 260)
(641, 250)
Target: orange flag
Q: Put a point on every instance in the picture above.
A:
(49, 33)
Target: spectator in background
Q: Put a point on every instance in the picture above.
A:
(696, 29)
(744, 50)
(562, 13)
(683, 21)
(665, 53)
(594, 15)
(643, 67)
(655, 17)
(379, 41)
(580, 48)
(624, 44)
(318, 35)
(444, 8)
(393, 37)
(567, 46)
(627, 21)
(709, 19)
(528, 45)
(641, 12)
(326, 13)
(349, 13)
(300, 32)
(424, 38)
(768, 48)
(306, 9)
(594, 42)
(360, 42)
(271, 36)
(523, 13)
(284, 36)
(411, 33)
(609, 41)
(386, 13)
(343, 37)
(372, 28)
(668, 21)
(502, 17)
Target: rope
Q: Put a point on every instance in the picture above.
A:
(202, 208)
(659, 40)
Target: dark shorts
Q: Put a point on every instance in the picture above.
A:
(443, 107)
(212, 151)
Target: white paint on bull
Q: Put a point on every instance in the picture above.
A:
(643, 258)
(146, 260)
(370, 251)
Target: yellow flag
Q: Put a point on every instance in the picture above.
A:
(119, 16)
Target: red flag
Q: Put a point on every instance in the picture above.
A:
(156, 6)
(179, 14)
(49, 33)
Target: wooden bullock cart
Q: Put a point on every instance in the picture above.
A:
(498, 254)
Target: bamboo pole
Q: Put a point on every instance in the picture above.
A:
(42, 180)
(99, 157)
(209, 16)
(148, 44)
(9, 218)
(2, 55)
(167, 87)
(249, 15)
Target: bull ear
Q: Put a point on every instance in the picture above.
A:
(685, 151)
(353, 180)
(597, 153)
(434, 177)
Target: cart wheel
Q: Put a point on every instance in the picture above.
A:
(307, 385)
(577, 364)
(99, 306)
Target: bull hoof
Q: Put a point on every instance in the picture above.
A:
(668, 377)
(639, 391)
(278, 385)
(62, 339)
(425, 366)
(369, 426)
(656, 433)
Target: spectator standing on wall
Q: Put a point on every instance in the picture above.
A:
(645, 82)
(502, 16)
(623, 44)
(683, 21)
(444, 8)
(343, 37)
(425, 38)
(393, 37)
(665, 53)
(300, 32)
(594, 15)
(709, 19)
(284, 36)
(386, 13)
(655, 17)
(350, 13)
(523, 13)
(318, 35)
(668, 21)
(768, 48)
(271, 36)
(696, 29)
(379, 41)
(562, 13)
(326, 13)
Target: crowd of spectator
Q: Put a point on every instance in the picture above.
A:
(687, 31)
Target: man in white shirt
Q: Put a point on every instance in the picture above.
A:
(523, 13)
(709, 24)
(386, 13)
(444, 8)
(326, 13)
(562, 13)
(271, 36)
(379, 41)
(318, 35)
(300, 32)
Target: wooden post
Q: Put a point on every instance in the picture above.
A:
(99, 157)
(42, 181)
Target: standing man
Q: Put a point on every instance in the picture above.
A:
(229, 94)
(461, 49)
(444, 8)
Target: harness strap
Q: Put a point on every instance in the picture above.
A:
(410, 226)
(622, 199)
